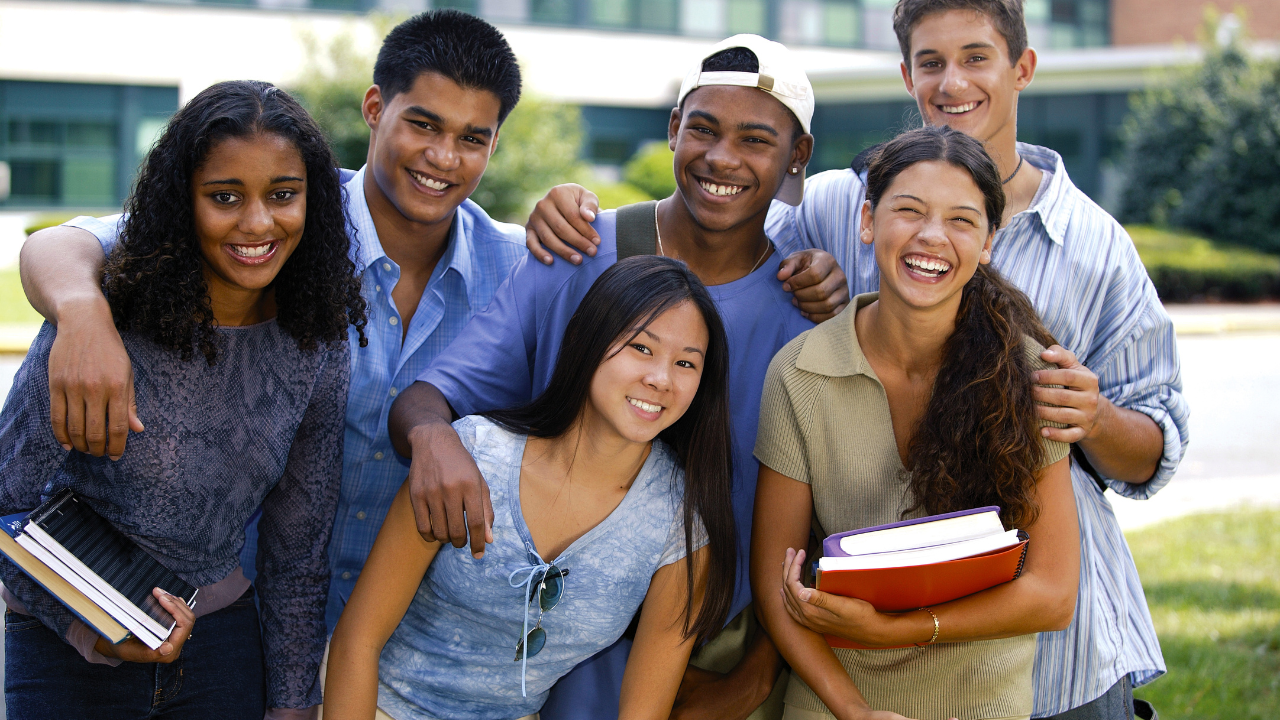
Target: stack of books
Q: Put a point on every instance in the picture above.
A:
(917, 563)
(95, 570)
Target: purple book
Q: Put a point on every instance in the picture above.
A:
(831, 546)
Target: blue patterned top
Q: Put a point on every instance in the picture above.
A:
(1082, 274)
(478, 257)
(262, 427)
(453, 654)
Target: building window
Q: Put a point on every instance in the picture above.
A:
(76, 145)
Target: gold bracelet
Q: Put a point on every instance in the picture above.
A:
(936, 628)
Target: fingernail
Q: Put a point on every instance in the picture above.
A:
(166, 648)
(575, 259)
(591, 216)
(67, 448)
(786, 286)
(546, 260)
(478, 555)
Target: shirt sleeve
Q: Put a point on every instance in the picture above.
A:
(293, 563)
(29, 457)
(106, 229)
(1137, 362)
(828, 219)
(780, 441)
(490, 364)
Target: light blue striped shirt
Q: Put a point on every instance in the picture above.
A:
(1082, 273)
(477, 259)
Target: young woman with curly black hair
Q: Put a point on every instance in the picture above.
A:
(916, 400)
(233, 292)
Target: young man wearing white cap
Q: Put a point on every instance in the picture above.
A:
(740, 137)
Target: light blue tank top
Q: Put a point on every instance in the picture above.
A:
(453, 655)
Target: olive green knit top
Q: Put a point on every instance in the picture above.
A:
(824, 421)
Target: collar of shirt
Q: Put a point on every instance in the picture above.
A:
(1055, 204)
(367, 249)
(832, 348)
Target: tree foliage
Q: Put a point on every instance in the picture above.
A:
(538, 148)
(1203, 149)
(332, 90)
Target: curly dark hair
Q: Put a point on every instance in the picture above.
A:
(154, 277)
(978, 442)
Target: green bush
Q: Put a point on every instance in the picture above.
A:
(1202, 148)
(537, 148)
(650, 170)
(615, 195)
(1186, 267)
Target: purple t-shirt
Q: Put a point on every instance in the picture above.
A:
(506, 354)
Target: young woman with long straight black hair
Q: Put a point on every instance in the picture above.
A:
(917, 400)
(609, 490)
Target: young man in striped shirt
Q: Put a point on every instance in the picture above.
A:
(965, 63)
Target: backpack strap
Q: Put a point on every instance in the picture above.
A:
(637, 232)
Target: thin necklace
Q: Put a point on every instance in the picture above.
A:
(1015, 172)
(658, 231)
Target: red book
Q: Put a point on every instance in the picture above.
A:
(904, 587)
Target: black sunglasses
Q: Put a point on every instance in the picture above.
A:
(548, 588)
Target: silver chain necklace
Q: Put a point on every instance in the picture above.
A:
(658, 231)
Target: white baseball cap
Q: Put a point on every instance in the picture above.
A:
(780, 75)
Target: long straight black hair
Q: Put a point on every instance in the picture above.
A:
(621, 303)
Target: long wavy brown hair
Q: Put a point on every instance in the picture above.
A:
(978, 442)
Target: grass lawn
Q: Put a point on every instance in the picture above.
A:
(14, 308)
(1213, 585)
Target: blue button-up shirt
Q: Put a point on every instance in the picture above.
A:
(479, 256)
(1082, 273)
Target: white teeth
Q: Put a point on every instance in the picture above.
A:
(957, 109)
(928, 266)
(252, 251)
(647, 407)
(433, 184)
(720, 190)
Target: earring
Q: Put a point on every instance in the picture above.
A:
(795, 170)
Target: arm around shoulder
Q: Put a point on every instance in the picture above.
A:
(90, 374)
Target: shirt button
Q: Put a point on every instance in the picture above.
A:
(392, 320)
(346, 576)
(378, 288)
(376, 456)
(393, 392)
(360, 515)
(386, 266)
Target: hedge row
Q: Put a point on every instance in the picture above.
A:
(1189, 268)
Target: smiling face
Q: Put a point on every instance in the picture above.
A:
(961, 76)
(430, 145)
(646, 384)
(250, 208)
(930, 232)
(733, 148)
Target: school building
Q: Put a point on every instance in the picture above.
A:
(85, 85)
